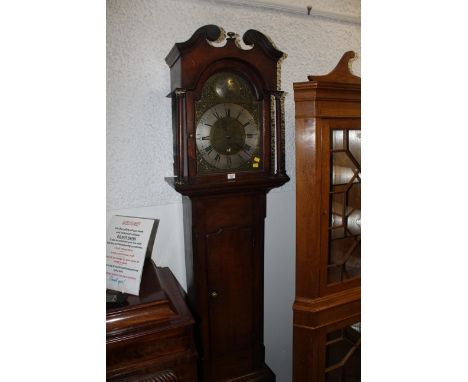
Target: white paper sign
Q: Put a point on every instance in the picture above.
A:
(127, 244)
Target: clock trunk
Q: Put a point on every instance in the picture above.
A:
(225, 282)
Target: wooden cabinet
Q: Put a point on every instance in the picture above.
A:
(152, 338)
(326, 334)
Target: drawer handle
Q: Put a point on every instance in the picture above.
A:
(214, 294)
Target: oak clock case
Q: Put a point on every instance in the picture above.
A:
(228, 153)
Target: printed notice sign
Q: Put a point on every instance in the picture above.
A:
(129, 241)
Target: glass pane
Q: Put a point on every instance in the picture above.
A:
(343, 355)
(338, 233)
(337, 203)
(354, 196)
(345, 258)
(355, 144)
(344, 245)
(344, 169)
(354, 209)
(337, 139)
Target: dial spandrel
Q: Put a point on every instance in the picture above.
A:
(227, 130)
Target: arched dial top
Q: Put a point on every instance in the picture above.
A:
(228, 129)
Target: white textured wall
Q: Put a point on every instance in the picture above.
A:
(140, 33)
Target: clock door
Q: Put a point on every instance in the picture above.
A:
(232, 253)
(230, 257)
(231, 301)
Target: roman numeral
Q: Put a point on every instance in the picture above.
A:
(205, 138)
(240, 112)
(246, 149)
(250, 135)
(217, 158)
(217, 116)
(209, 149)
(207, 124)
(247, 123)
(228, 112)
(228, 161)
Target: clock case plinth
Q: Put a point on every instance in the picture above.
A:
(224, 218)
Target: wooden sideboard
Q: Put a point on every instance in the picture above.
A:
(151, 339)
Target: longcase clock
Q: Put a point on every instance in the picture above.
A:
(228, 153)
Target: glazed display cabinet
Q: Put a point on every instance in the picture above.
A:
(326, 339)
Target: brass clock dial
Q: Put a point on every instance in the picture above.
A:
(227, 136)
(227, 126)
